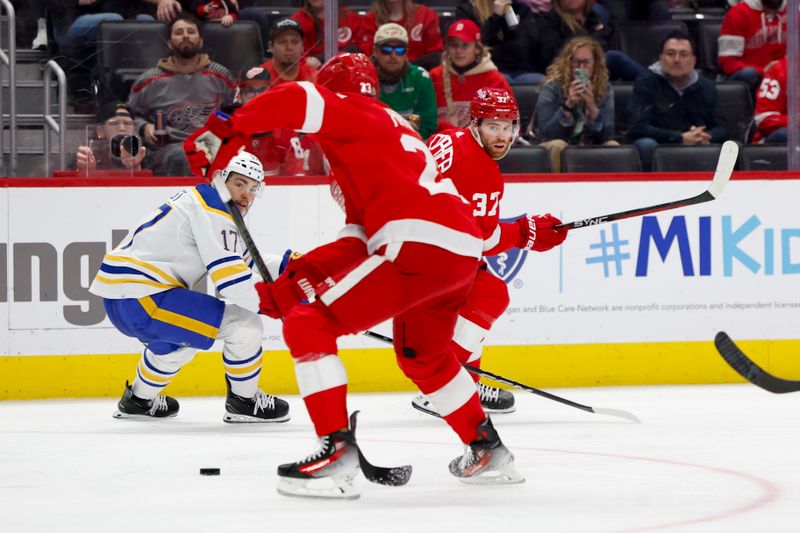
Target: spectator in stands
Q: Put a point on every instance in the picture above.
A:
(421, 23)
(673, 104)
(572, 18)
(286, 46)
(466, 67)
(513, 46)
(113, 119)
(311, 17)
(75, 22)
(167, 10)
(227, 12)
(403, 86)
(173, 99)
(576, 105)
(282, 152)
(771, 114)
(753, 35)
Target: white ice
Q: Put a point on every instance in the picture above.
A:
(705, 459)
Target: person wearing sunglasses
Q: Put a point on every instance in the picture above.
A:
(403, 86)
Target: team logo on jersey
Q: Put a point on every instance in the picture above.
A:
(345, 34)
(416, 32)
(506, 265)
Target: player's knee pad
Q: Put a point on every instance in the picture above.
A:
(310, 329)
(429, 372)
(174, 360)
(487, 301)
(242, 331)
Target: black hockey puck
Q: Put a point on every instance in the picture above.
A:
(209, 471)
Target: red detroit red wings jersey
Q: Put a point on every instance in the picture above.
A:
(477, 177)
(424, 36)
(771, 107)
(384, 176)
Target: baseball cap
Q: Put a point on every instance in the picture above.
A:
(113, 109)
(391, 32)
(257, 74)
(283, 25)
(465, 30)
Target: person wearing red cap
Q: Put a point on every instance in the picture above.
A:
(409, 252)
(466, 67)
(421, 23)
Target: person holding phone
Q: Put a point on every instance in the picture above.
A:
(576, 106)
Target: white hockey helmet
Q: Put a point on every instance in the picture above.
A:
(247, 165)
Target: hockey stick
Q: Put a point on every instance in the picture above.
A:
(597, 410)
(727, 160)
(393, 476)
(749, 370)
(521, 386)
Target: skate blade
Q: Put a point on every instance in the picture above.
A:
(233, 418)
(424, 410)
(507, 476)
(490, 411)
(338, 488)
(127, 416)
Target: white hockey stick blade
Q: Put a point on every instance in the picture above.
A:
(617, 412)
(727, 161)
(222, 190)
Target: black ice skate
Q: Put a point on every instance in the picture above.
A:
(133, 407)
(326, 473)
(495, 400)
(261, 408)
(486, 460)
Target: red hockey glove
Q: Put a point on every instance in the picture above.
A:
(211, 147)
(537, 233)
(301, 281)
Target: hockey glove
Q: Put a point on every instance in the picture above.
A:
(211, 147)
(537, 233)
(300, 282)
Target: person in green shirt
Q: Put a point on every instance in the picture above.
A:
(405, 87)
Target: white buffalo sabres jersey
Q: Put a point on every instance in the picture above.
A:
(192, 235)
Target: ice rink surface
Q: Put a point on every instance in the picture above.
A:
(705, 459)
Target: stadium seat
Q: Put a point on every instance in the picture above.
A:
(642, 40)
(524, 160)
(603, 159)
(685, 158)
(124, 51)
(622, 116)
(526, 96)
(707, 48)
(446, 17)
(736, 105)
(763, 157)
(236, 47)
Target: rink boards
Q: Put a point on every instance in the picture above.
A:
(632, 302)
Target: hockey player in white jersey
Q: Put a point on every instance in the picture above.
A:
(146, 283)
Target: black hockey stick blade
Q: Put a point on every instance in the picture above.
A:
(395, 476)
(597, 410)
(749, 370)
(727, 160)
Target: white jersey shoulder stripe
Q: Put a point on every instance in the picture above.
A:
(315, 108)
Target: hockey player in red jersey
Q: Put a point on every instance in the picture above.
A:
(772, 115)
(409, 252)
(468, 157)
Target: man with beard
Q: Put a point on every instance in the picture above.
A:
(286, 46)
(173, 99)
(405, 87)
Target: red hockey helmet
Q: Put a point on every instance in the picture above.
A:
(494, 103)
(349, 73)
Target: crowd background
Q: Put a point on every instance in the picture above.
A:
(591, 74)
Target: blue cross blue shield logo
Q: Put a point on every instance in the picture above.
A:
(507, 264)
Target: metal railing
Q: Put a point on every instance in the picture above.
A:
(10, 61)
(60, 127)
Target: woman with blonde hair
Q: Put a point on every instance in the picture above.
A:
(576, 105)
(575, 18)
(421, 23)
(312, 21)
